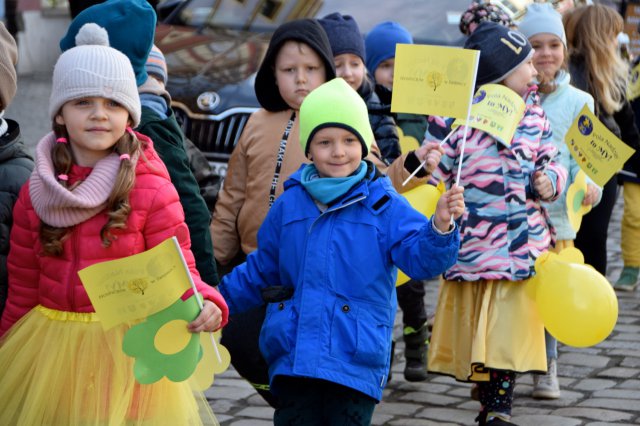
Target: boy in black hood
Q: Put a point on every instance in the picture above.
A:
(297, 61)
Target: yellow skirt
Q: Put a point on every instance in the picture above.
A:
(485, 325)
(62, 368)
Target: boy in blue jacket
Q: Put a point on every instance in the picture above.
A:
(326, 260)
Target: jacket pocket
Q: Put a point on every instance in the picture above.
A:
(373, 340)
(277, 333)
(359, 334)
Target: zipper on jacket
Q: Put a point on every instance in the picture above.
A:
(334, 209)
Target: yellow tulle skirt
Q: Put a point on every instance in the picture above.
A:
(62, 368)
(485, 325)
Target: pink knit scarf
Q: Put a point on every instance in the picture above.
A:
(55, 204)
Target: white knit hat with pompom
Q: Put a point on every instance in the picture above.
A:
(93, 69)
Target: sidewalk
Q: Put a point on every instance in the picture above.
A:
(600, 384)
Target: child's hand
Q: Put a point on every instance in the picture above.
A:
(591, 196)
(430, 153)
(450, 205)
(209, 319)
(542, 185)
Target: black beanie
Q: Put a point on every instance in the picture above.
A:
(501, 51)
(344, 35)
(307, 31)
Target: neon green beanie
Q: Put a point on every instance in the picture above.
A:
(335, 104)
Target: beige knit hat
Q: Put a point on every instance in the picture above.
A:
(8, 60)
(92, 68)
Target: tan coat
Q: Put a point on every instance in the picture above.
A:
(243, 201)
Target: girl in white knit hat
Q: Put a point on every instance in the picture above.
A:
(98, 192)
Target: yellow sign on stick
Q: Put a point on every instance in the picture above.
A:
(137, 286)
(497, 110)
(633, 88)
(596, 150)
(433, 80)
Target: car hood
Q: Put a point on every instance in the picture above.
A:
(210, 60)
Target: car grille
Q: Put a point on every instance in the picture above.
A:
(214, 135)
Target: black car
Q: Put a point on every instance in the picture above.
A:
(213, 49)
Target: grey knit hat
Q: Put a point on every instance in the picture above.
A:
(8, 59)
(92, 68)
(542, 18)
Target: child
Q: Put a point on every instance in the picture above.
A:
(153, 94)
(381, 51)
(15, 163)
(596, 67)
(330, 242)
(630, 226)
(158, 120)
(562, 104)
(478, 12)
(99, 192)
(347, 46)
(380, 45)
(298, 60)
(486, 328)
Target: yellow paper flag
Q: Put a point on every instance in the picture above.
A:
(497, 110)
(633, 88)
(137, 286)
(433, 80)
(596, 150)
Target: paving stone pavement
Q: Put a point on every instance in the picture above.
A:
(600, 385)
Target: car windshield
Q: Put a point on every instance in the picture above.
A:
(430, 22)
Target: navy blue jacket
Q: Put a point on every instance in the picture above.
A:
(340, 265)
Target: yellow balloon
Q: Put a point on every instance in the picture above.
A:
(576, 303)
(423, 198)
(575, 194)
(407, 142)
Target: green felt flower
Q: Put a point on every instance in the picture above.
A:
(162, 345)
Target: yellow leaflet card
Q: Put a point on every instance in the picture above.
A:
(633, 88)
(497, 110)
(596, 150)
(433, 80)
(137, 286)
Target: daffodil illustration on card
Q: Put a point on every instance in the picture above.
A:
(145, 290)
(137, 286)
(433, 80)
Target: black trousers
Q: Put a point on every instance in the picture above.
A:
(592, 236)
(411, 301)
(313, 402)
(240, 336)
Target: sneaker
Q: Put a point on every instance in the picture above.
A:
(416, 343)
(499, 421)
(546, 386)
(628, 280)
(493, 419)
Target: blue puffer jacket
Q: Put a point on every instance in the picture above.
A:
(562, 106)
(340, 264)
